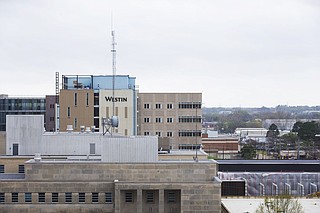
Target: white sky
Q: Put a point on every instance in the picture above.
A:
(236, 52)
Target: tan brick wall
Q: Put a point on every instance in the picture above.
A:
(83, 112)
(2, 143)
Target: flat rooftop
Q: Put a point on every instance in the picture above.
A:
(249, 205)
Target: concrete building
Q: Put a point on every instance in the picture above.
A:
(117, 174)
(173, 115)
(85, 99)
(73, 186)
(20, 106)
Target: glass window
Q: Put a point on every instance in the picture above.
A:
(169, 106)
(147, 120)
(158, 134)
(108, 197)
(158, 120)
(55, 197)
(87, 99)
(21, 168)
(146, 133)
(14, 197)
(147, 106)
(2, 197)
(82, 197)
(129, 197)
(1, 168)
(41, 197)
(150, 197)
(95, 197)
(68, 197)
(69, 112)
(75, 99)
(169, 134)
(171, 197)
(169, 120)
(158, 106)
(27, 197)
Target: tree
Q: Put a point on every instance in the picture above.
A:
(248, 152)
(281, 203)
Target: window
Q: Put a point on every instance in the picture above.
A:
(96, 112)
(1, 168)
(129, 197)
(87, 99)
(82, 197)
(21, 168)
(158, 106)
(55, 197)
(169, 106)
(27, 197)
(69, 112)
(171, 197)
(108, 197)
(147, 106)
(41, 197)
(158, 120)
(15, 149)
(150, 197)
(14, 197)
(96, 99)
(125, 112)
(75, 123)
(147, 120)
(92, 149)
(95, 197)
(75, 99)
(146, 133)
(169, 134)
(68, 197)
(2, 197)
(158, 134)
(169, 120)
(189, 105)
(189, 119)
(189, 133)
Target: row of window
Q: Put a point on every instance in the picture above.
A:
(129, 197)
(55, 197)
(190, 105)
(182, 119)
(20, 169)
(150, 197)
(158, 106)
(182, 133)
(76, 99)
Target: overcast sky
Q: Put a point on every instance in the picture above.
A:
(239, 53)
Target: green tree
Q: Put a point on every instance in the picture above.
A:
(248, 152)
(281, 203)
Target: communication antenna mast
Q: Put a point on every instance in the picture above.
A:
(114, 68)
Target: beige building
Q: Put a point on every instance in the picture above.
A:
(76, 108)
(74, 186)
(176, 116)
(122, 105)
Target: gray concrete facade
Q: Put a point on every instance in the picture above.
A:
(140, 187)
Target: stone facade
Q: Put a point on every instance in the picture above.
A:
(113, 187)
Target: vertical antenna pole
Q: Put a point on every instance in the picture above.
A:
(113, 50)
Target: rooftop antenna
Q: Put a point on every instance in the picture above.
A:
(114, 54)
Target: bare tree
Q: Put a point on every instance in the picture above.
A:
(281, 203)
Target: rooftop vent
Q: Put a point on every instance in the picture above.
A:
(82, 129)
(69, 128)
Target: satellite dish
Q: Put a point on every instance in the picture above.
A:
(107, 123)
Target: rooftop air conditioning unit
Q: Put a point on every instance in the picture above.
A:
(82, 129)
(69, 128)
